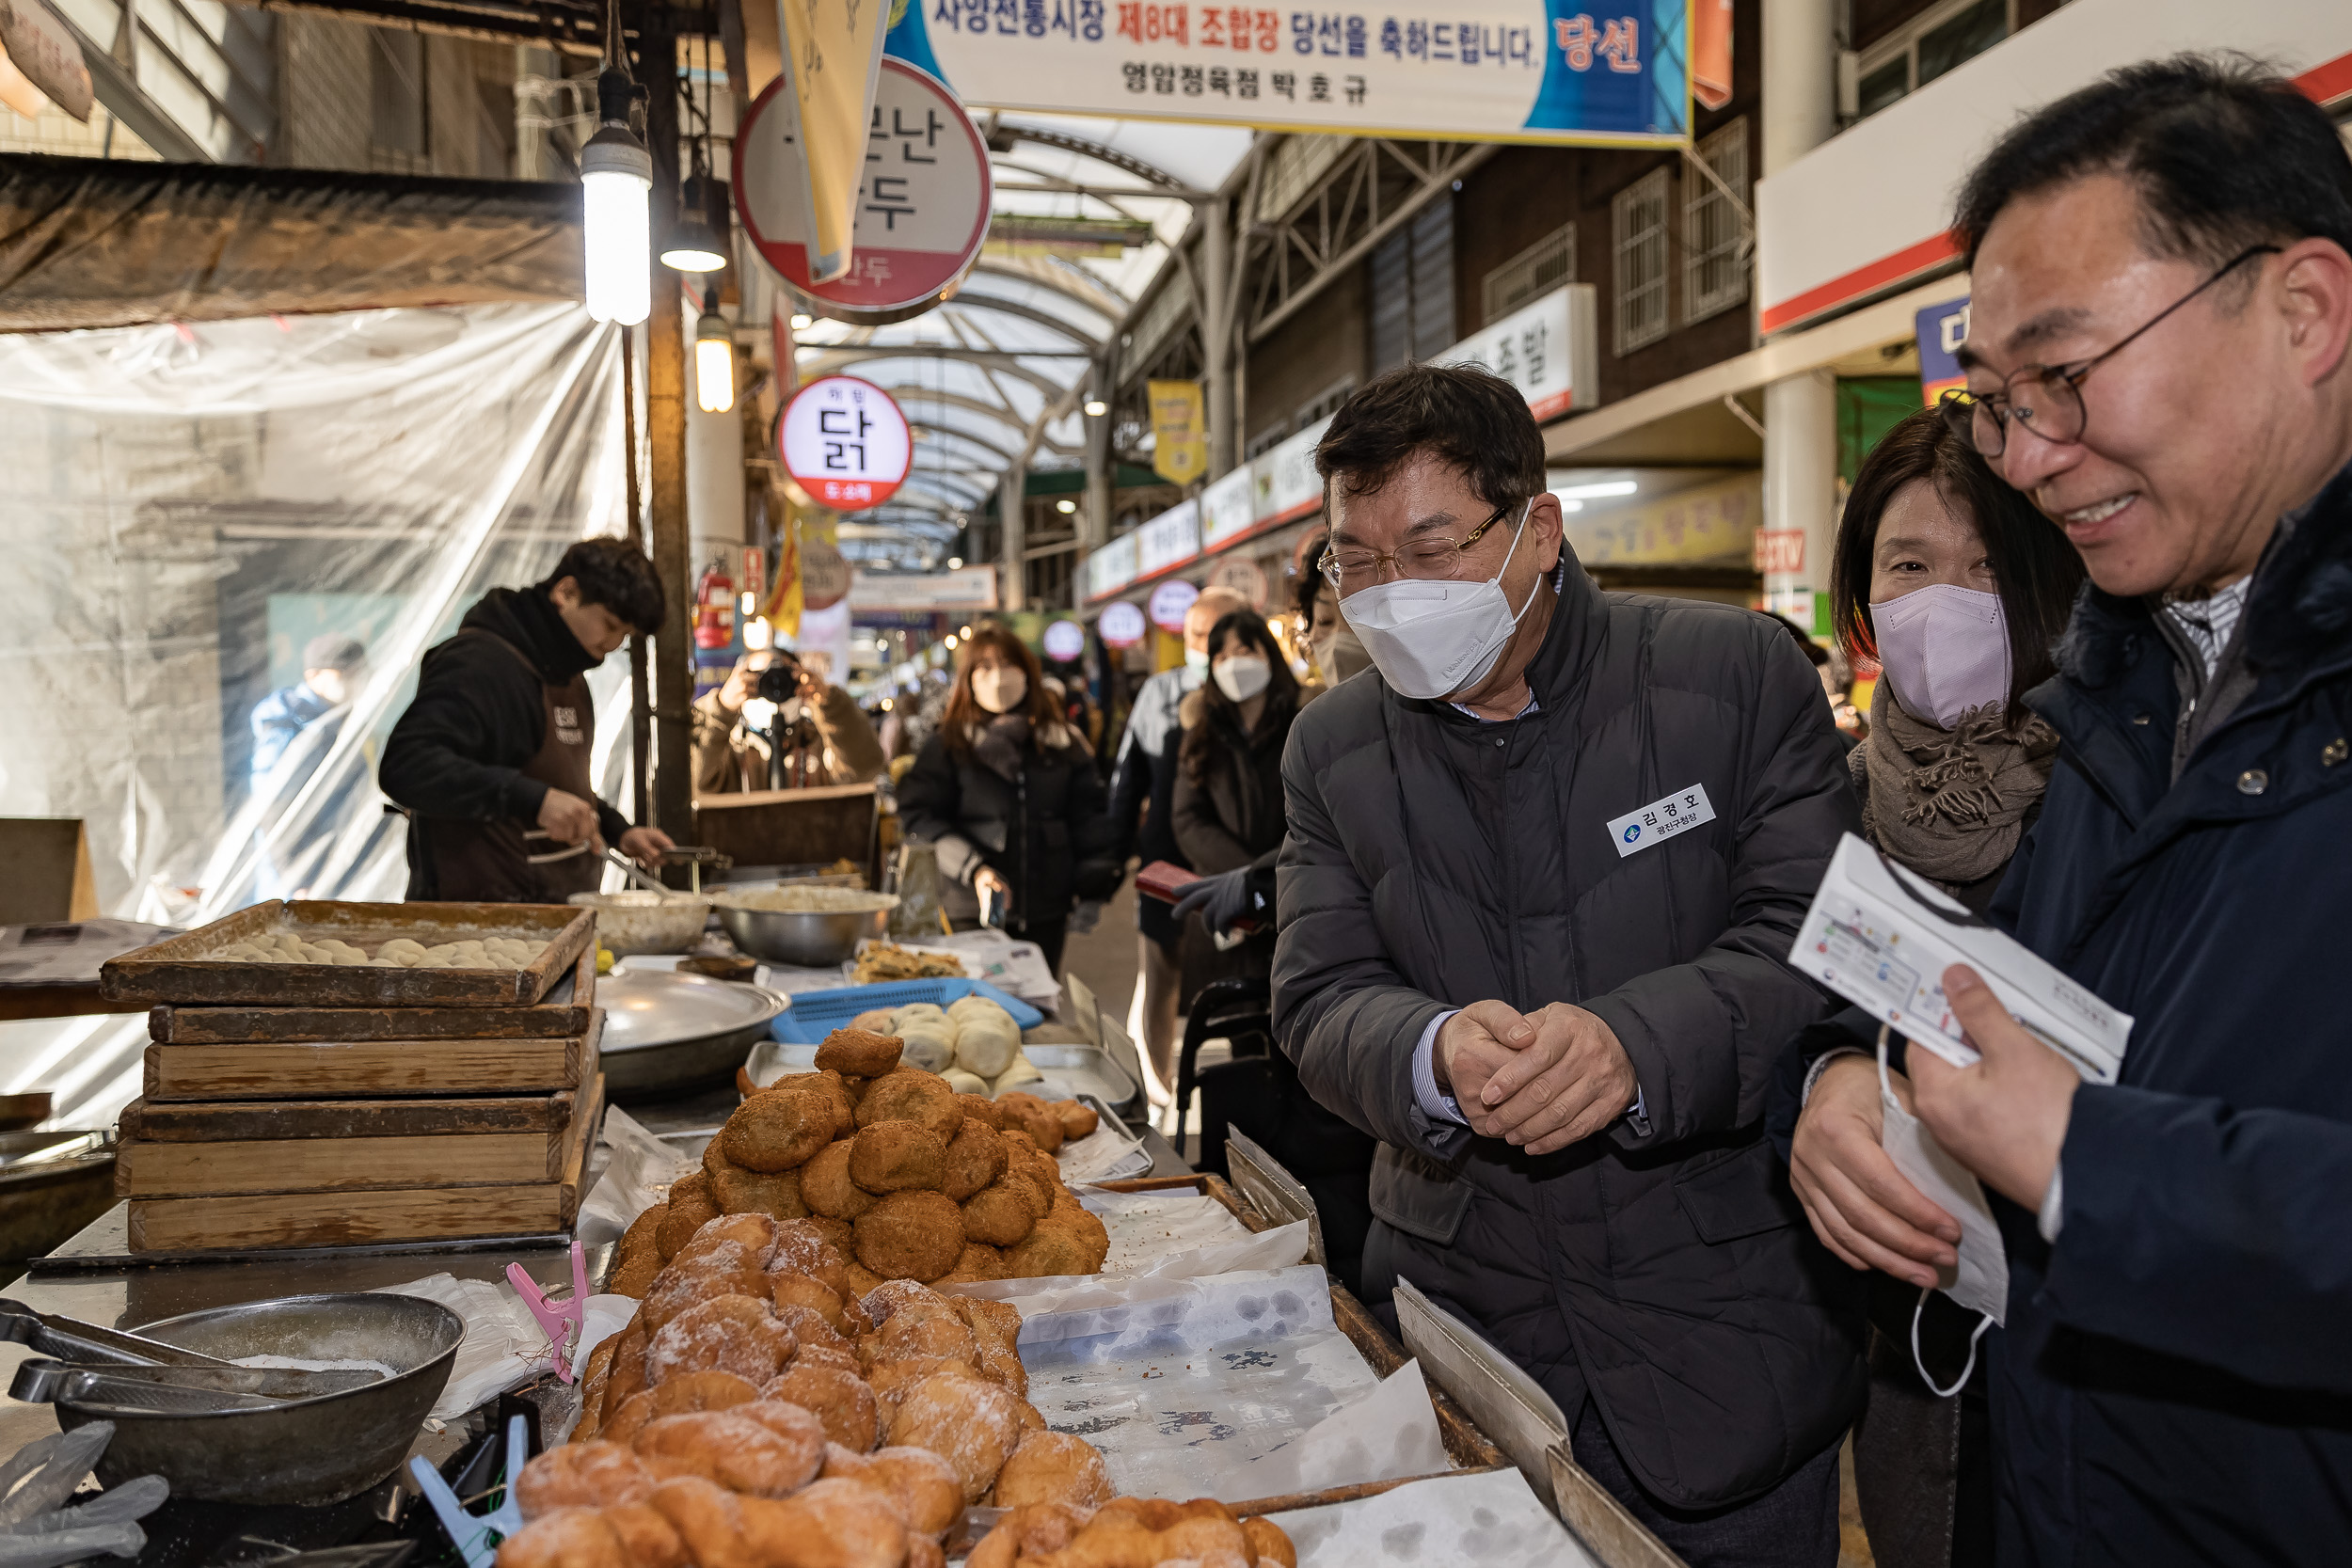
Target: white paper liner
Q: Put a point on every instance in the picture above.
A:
(504, 1345)
(636, 1176)
(1483, 1521)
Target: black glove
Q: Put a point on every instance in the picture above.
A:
(1222, 898)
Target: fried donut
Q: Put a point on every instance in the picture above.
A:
(1037, 1529)
(890, 1380)
(1030, 1416)
(738, 1334)
(979, 1108)
(896, 1157)
(912, 1235)
(795, 1426)
(861, 1277)
(841, 1401)
(1077, 1119)
(581, 1475)
(687, 1394)
(1027, 1113)
(726, 1271)
(755, 1233)
(912, 1095)
(809, 1331)
(638, 1257)
(568, 1538)
(999, 1214)
(966, 1422)
(1053, 1468)
(990, 1320)
(649, 1538)
(975, 1159)
(592, 1379)
(859, 1052)
(707, 1519)
(806, 1291)
(1001, 1364)
(627, 1375)
(826, 1186)
(831, 1524)
(826, 1355)
(909, 1334)
(1272, 1548)
(778, 1130)
(746, 1193)
(896, 1296)
(923, 1488)
(731, 1449)
(808, 1246)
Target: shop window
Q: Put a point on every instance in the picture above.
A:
(396, 91)
(1714, 242)
(1533, 271)
(1637, 219)
(1412, 289)
(1923, 48)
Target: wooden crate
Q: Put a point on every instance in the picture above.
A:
(434, 1211)
(561, 1014)
(178, 970)
(793, 827)
(322, 1069)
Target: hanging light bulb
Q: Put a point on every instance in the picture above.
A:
(1065, 507)
(802, 324)
(699, 244)
(714, 358)
(616, 192)
(1096, 408)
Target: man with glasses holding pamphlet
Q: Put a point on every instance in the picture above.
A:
(2161, 282)
(1539, 881)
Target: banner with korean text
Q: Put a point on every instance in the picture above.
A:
(1589, 72)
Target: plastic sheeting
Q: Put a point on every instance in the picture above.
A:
(185, 508)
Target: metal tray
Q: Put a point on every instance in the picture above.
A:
(666, 1031)
(178, 970)
(1090, 1074)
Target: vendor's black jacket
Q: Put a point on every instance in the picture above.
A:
(479, 716)
(1434, 861)
(2175, 1381)
(1044, 828)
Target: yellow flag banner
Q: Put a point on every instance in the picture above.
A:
(782, 610)
(1180, 451)
(833, 54)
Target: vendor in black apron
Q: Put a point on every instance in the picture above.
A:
(492, 757)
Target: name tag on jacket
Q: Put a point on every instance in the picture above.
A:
(1659, 821)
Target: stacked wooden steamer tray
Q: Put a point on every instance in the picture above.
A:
(310, 1104)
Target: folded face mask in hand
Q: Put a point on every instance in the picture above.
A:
(1980, 1279)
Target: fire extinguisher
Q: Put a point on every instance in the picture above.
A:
(714, 608)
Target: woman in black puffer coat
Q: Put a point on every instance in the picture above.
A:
(1008, 791)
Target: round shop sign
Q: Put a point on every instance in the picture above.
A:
(1244, 577)
(824, 575)
(922, 207)
(1066, 641)
(845, 442)
(1121, 625)
(1170, 601)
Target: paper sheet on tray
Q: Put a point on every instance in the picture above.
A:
(504, 1344)
(638, 1170)
(1185, 1386)
(1095, 1156)
(1389, 1433)
(1484, 1521)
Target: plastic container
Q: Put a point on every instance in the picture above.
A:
(814, 1014)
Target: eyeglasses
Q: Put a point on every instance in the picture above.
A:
(1353, 568)
(2051, 402)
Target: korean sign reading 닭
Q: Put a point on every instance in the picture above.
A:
(1550, 70)
(845, 442)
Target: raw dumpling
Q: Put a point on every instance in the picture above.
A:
(987, 1040)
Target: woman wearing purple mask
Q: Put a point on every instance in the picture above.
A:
(1959, 587)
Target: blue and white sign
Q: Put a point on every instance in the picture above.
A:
(1585, 72)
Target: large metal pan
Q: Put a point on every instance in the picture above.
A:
(666, 1031)
(303, 1451)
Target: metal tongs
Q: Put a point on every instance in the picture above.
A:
(106, 1367)
(695, 856)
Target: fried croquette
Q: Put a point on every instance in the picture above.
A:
(1077, 1119)
(979, 1108)
(859, 1052)
(972, 1162)
(778, 1130)
(910, 1094)
(826, 1186)
(912, 1235)
(896, 1157)
(999, 1214)
(1027, 1113)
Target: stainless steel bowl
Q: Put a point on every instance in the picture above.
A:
(664, 1031)
(303, 1451)
(639, 920)
(811, 939)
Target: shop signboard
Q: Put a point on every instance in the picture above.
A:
(845, 442)
(922, 214)
(966, 587)
(1121, 625)
(1112, 568)
(1244, 577)
(1229, 508)
(1708, 523)
(1169, 539)
(1615, 72)
(1942, 330)
(1170, 601)
(1548, 348)
(1065, 642)
(1180, 435)
(39, 51)
(1287, 483)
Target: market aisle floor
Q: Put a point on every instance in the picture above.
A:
(1105, 958)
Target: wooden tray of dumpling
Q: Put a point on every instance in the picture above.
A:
(561, 1014)
(190, 968)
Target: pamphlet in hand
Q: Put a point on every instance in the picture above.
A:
(1881, 936)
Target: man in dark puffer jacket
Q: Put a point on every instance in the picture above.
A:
(1532, 924)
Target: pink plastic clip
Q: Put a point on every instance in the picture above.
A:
(564, 1321)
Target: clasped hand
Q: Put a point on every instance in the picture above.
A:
(1542, 1080)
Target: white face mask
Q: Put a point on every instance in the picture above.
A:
(1340, 655)
(1431, 640)
(1243, 677)
(1196, 665)
(1981, 1280)
(999, 689)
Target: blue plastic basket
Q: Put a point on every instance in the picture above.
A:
(814, 1014)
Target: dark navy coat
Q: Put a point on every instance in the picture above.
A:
(2175, 1381)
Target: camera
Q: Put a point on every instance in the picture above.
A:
(781, 681)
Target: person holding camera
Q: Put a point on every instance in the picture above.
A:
(778, 724)
(1008, 791)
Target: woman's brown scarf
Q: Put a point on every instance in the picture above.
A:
(1951, 804)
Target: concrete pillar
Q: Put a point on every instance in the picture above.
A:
(1014, 575)
(1799, 111)
(1216, 332)
(666, 438)
(1094, 521)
